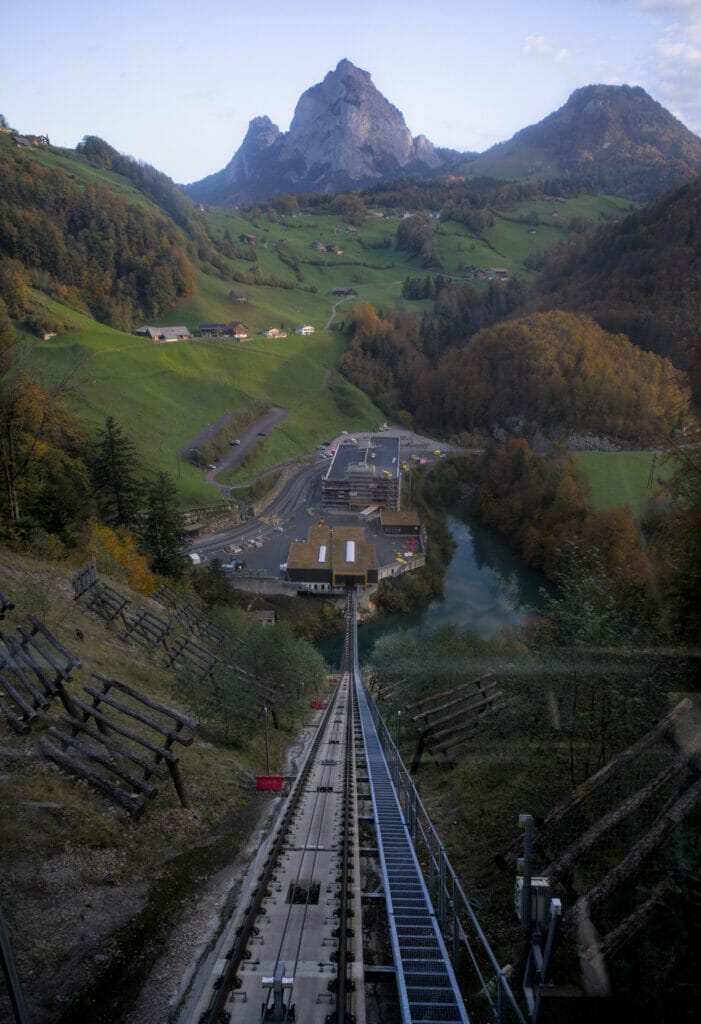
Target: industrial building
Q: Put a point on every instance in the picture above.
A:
(331, 558)
(404, 524)
(363, 474)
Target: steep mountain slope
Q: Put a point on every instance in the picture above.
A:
(641, 276)
(616, 136)
(344, 133)
(99, 232)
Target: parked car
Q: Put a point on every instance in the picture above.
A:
(261, 433)
(235, 442)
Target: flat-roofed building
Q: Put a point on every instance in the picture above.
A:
(363, 474)
(401, 523)
(331, 558)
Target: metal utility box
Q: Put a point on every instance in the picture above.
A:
(540, 903)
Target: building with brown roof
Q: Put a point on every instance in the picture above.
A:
(405, 524)
(332, 558)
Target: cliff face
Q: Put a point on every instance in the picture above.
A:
(344, 134)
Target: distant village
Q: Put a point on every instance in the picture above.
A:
(236, 330)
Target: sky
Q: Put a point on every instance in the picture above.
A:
(175, 82)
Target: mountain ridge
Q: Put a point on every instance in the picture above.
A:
(345, 134)
(616, 136)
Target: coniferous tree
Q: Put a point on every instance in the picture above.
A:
(114, 473)
(164, 527)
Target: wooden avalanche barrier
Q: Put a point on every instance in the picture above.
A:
(33, 669)
(447, 718)
(103, 742)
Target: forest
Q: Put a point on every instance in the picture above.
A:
(84, 244)
(639, 277)
(552, 370)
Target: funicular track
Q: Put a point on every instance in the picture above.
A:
(290, 956)
(295, 949)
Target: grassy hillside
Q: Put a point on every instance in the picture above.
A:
(620, 478)
(111, 886)
(163, 395)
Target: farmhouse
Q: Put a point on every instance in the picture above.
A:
(362, 476)
(347, 293)
(160, 335)
(274, 332)
(497, 274)
(237, 330)
(304, 329)
(248, 239)
(237, 296)
(211, 330)
(29, 141)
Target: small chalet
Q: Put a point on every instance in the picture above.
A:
(347, 293)
(274, 332)
(237, 296)
(211, 330)
(29, 141)
(304, 329)
(160, 335)
(248, 239)
(237, 330)
(497, 274)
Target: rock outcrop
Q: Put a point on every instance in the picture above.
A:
(344, 134)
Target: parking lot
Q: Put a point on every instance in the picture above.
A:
(263, 544)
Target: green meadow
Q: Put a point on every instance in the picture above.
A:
(163, 395)
(621, 478)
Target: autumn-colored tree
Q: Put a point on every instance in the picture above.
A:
(33, 421)
(117, 553)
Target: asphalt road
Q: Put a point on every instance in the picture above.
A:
(234, 453)
(297, 508)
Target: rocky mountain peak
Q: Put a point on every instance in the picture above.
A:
(344, 134)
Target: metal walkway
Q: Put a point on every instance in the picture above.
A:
(428, 991)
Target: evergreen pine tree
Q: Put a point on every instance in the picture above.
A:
(164, 528)
(114, 472)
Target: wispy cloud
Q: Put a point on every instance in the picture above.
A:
(674, 62)
(544, 46)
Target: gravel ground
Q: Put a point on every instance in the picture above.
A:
(171, 989)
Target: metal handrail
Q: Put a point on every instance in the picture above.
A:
(441, 879)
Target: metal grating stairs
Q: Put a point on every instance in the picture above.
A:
(428, 990)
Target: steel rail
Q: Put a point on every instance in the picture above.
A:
(342, 981)
(313, 824)
(226, 982)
